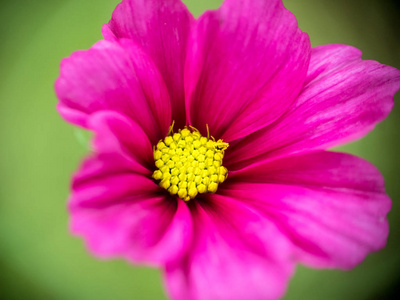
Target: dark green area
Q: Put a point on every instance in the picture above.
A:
(39, 152)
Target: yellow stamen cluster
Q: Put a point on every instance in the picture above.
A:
(189, 163)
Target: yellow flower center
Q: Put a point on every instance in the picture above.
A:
(189, 163)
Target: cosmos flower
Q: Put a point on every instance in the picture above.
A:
(209, 151)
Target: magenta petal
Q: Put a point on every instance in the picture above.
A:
(331, 205)
(117, 134)
(107, 33)
(114, 76)
(119, 213)
(343, 99)
(152, 230)
(246, 64)
(100, 183)
(161, 28)
(236, 254)
(176, 234)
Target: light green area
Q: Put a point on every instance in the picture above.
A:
(39, 259)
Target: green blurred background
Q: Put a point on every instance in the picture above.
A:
(39, 259)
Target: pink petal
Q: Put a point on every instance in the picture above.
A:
(331, 205)
(114, 76)
(236, 254)
(161, 28)
(246, 64)
(117, 134)
(119, 213)
(100, 183)
(342, 100)
(152, 230)
(120, 166)
(107, 33)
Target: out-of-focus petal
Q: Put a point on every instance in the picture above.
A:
(246, 64)
(236, 254)
(115, 76)
(343, 99)
(123, 214)
(331, 205)
(115, 134)
(161, 28)
(141, 227)
(107, 33)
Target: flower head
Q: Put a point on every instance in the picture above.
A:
(210, 146)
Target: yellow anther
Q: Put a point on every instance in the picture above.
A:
(212, 187)
(174, 171)
(157, 154)
(196, 144)
(202, 188)
(210, 144)
(209, 162)
(164, 169)
(189, 164)
(159, 163)
(183, 184)
(191, 177)
(185, 132)
(223, 171)
(168, 140)
(171, 128)
(170, 164)
(174, 180)
(197, 180)
(182, 177)
(217, 157)
(182, 193)
(173, 189)
(165, 183)
(196, 171)
(181, 144)
(193, 192)
(221, 178)
(212, 170)
(189, 140)
(210, 153)
(157, 175)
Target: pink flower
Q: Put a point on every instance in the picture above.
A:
(249, 76)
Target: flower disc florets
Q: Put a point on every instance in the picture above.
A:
(189, 163)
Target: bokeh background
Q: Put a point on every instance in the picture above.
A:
(39, 259)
